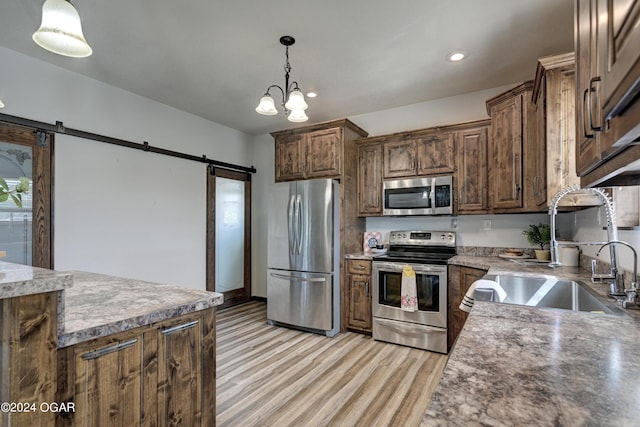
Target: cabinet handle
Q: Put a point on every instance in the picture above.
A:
(366, 289)
(584, 115)
(169, 331)
(358, 267)
(111, 349)
(593, 90)
(536, 179)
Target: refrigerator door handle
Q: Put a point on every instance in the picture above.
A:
(292, 236)
(299, 224)
(299, 279)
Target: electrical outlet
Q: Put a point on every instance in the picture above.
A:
(454, 222)
(487, 225)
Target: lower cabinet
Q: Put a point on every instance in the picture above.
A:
(163, 374)
(359, 294)
(460, 279)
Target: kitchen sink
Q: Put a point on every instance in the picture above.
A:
(549, 292)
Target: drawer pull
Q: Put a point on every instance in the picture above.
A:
(359, 267)
(111, 349)
(169, 331)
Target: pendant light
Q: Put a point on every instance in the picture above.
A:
(292, 98)
(60, 31)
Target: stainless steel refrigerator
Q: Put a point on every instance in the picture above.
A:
(303, 277)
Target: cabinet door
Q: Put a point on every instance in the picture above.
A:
(399, 158)
(359, 313)
(179, 373)
(108, 383)
(323, 153)
(506, 154)
(460, 279)
(472, 170)
(436, 153)
(290, 158)
(619, 60)
(588, 119)
(370, 179)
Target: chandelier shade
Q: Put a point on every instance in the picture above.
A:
(292, 98)
(267, 106)
(60, 31)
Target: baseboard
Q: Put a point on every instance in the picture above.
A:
(261, 299)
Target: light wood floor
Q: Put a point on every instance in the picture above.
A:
(275, 376)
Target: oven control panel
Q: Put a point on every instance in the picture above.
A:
(422, 238)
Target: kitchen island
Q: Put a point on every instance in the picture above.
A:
(518, 365)
(105, 349)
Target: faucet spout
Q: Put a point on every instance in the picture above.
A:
(634, 283)
(612, 229)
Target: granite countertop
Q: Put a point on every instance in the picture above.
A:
(517, 365)
(95, 305)
(18, 280)
(98, 305)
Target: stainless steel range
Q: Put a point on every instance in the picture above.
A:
(427, 252)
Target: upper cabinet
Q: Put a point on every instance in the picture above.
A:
(471, 163)
(516, 155)
(409, 154)
(370, 179)
(554, 99)
(607, 42)
(308, 155)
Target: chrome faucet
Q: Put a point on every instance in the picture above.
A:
(632, 294)
(617, 285)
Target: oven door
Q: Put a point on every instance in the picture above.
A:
(431, 284)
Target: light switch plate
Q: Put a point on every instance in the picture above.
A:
(487, 225)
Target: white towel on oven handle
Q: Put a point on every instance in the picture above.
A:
(468, 299)
(408, 290)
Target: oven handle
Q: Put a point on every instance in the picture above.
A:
(398, 266)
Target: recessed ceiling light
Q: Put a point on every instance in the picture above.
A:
(312, 94)
(455, 56)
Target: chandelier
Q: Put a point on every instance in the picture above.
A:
(60, 31)
(292, 97)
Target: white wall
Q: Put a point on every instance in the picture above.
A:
(120, 211)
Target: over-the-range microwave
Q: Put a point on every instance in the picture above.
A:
(418, 196)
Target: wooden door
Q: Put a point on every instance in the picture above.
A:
(370, 179)
(228, 268)
(399, 158)
(436, 153)
(588, 119)
(290, 158)
(506, 154)
(21, 146)
(108, 383)
(179, 373)
(472, 170)
(323, 153)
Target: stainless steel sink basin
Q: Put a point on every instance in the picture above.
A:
(549, 292)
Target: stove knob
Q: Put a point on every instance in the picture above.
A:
(442, 236)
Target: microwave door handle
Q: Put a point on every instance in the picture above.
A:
(433, 195)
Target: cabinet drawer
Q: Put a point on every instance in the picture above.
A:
(359, 266)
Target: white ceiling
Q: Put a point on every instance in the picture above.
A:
(215, 58)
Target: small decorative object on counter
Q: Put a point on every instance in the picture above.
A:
(539, 235)
(371, 241)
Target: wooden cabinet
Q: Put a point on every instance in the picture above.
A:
(514, 160)
(471, 170)
(427, 152)
(359, 291)
(370, 179)
(163, 374)
(28, 336)
(554, 99)
(460, 279)
(607, 38)
(309, 155)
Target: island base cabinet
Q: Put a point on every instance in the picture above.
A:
(160, 375)
(28, 358)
